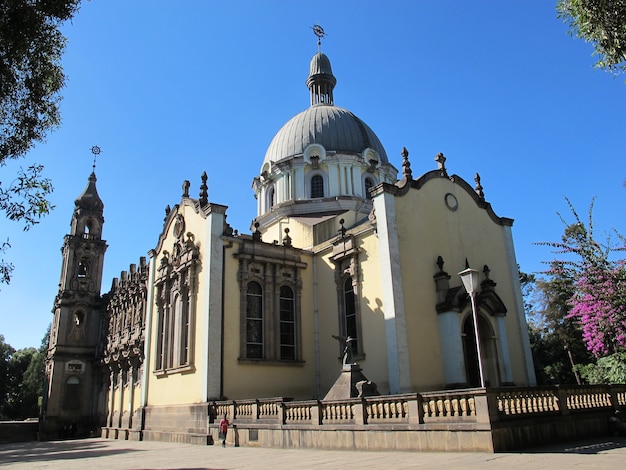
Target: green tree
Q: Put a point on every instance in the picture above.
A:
(556, 340)
(601, 22)
(18, 403)
(22, 379)
(31, 77)
(6, 351)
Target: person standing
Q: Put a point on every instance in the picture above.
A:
(224, 429)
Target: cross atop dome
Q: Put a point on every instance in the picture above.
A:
(320, 33)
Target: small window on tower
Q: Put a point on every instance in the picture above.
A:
(78, 318)
(83, 267)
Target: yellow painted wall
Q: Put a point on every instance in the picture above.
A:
(374, 362)
(427, 229)
(265, 379)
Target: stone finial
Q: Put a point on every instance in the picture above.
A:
(440, 263)
(479, 188)
(441, 164)
(342, 229)
(204, 190)
(287, 238)
(407, 174)
(256, 235)
(487, 285)
(167, 212)
(186, 185)
(486, 271)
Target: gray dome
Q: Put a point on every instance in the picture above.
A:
(336, 129)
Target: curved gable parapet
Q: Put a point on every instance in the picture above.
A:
(402, 187)
(480, 202)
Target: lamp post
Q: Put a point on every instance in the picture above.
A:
(470, 282)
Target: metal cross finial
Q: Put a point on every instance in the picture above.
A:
(96, 151)
(320, 33)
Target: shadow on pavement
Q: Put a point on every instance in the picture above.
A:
(587, 446)
(56, 450)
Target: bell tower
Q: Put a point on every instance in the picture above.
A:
(72, 372)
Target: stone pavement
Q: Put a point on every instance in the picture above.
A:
(92, 454)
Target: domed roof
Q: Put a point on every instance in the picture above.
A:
(320, 64)
(335, 128)
(89, 199)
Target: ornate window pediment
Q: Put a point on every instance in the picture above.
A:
(176, 286)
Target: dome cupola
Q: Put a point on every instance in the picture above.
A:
(324, 160)
(321, 80)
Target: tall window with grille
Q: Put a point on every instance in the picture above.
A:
(317, 186)
(163, 309)
(369, 184)
(350, 315)
(270, 290)
(254, 321)
(287, 325)
(185, 332)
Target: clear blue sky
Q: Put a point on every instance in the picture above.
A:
(171, 89)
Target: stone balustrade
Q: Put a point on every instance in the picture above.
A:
(457, 406)
(479, 419)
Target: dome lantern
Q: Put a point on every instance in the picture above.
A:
(321, 80)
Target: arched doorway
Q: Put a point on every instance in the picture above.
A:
(488, 349)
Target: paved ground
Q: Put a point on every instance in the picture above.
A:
(92, 454)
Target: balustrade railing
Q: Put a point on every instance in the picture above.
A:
(449, 406)
(527, 401)
(387, 409)
(445, 407)
(341, 412)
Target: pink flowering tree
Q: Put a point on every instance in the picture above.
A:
(597, 300)
(599, 303)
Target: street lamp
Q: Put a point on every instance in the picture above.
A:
(470, 281)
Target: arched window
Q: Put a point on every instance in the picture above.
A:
(254, 321)
(317, 186)
(185, 332)
(271, 198)
(287, 324)
(350, 314)
(369, 184)
(71, 400)
(163, 344)
(78, 318)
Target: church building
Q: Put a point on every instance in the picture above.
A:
(351, 265)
